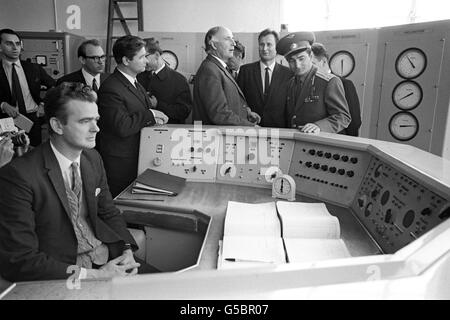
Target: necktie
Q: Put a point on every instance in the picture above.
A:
(16, 94)
(76, 179)
(266, 83)
(94, 85)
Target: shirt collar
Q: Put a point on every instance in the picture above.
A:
(8, 64)
(64, 162)
(263, 66)
(162, 67)
(224, 65)
(126, 75)
(89, 77)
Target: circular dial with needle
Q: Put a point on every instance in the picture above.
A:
(407, 95)
(170, 58)
(342, 63)
(283, 187)
(411, 63)
(403, 126)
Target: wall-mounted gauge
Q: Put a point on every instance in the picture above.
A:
(407, 95)
(403, 126)
(342, 63)
(170, 58)
(411, 63)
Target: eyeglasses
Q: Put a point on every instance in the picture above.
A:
(96, 58)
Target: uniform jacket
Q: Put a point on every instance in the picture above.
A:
(77, 76)
(321, 100)
(272, 111)
(172, 92)
(354, 107)
(37, 239)
(217, 97)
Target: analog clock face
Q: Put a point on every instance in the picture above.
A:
(170, 59)
(282, 186)
(342, 63)
(403, 126)
(411, 63)
(407, 95)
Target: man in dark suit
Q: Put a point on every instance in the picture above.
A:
(125, 109)
(92, 59)
(20, 84)
(264, 82)
(56, 212)
(320, 59)
(315, 100)
(217, 97)
(168, 90)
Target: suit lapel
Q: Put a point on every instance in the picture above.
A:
(29, 75)
(227, 74)
(55, 176)
(258, 80)
(4, 83)
(131, 88)
(88, 177)
(80, 74)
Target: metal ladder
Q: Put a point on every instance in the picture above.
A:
(115, 14)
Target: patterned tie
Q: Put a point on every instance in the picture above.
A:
(266, 83)
(16, 94)
(76, 179)
(94, 85)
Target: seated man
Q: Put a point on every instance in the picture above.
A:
(56, 211)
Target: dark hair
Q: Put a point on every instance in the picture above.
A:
(127, 46)
(8, 31)
(211, 33)
(239, 48)
(83, 45)
(56, 99)
(319, 51)
(152, 46)
(268, 31)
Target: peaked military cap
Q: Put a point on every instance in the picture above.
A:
(295, 42)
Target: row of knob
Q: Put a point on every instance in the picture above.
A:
(335, 156)
(324, 167)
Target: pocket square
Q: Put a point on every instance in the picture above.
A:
(97, 191)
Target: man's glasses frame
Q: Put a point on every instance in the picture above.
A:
(97, 58)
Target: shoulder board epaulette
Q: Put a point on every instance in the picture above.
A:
(325, 76)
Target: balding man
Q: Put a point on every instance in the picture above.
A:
(218, 100)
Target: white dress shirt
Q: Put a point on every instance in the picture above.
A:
(263, 72)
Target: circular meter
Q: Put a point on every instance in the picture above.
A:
(407, 95)
(342, 63)
(403, 126)
(411, 63)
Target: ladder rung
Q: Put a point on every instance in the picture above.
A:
(125, 1)
(125, 18)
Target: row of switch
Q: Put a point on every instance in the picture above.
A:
(324, 167)
(335, 156)
(321, 181)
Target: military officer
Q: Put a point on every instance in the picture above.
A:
(315, 100)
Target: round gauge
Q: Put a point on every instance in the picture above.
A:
(407, 95)
(283, 187)
(342, 63)
(411, 63)
(170, 58)
(228, 169)
(271, 173)
(403, 126)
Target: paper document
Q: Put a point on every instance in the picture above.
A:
(23, 123)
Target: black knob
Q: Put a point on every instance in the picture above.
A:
(332, 169)
(192, 149)
(350, 173)
(354, 160)
(316, 166)
(426, 212)
(374, 193)
(327, 155)
(320, 153)
(308, 164)
(324, 167)
(388, 216)
(341, 172)
(344, 158)
(312, 152)
(336, 156)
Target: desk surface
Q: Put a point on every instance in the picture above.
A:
(211, 199)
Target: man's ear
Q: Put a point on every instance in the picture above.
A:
(82, 60)
(56, 125)
(212, 43)
(125, 61)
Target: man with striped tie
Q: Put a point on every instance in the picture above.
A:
(56, 212)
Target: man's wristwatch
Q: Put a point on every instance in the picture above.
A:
(127, 246)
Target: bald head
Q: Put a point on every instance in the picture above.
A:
(219, 42)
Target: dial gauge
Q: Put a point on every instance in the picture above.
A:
(411, 63)
(403, 126)
(228, 169)
(170, 58)
(283, 187)
(407, 95)
(342, 63)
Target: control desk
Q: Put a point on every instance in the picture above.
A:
(392, 200)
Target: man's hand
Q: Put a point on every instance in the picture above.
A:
(153, 101)
(114, 268)
(20, 151)
(129, 259)
(160, 117)
(6, 151)
(10, 110)
(253, 116)
(310, 128)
